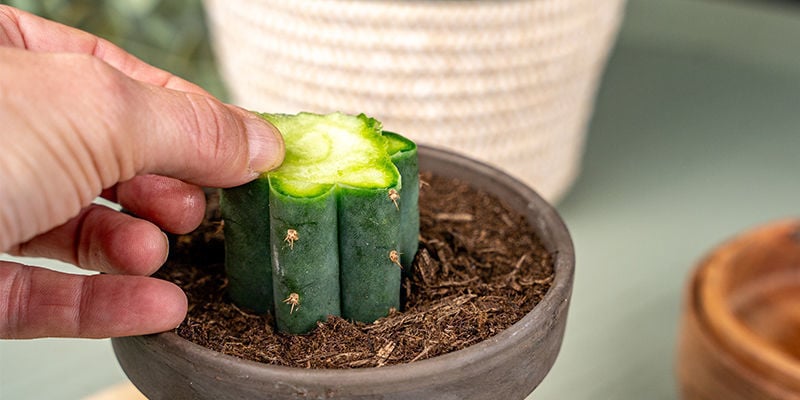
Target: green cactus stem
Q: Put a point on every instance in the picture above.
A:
(404, 156)
(329, 232)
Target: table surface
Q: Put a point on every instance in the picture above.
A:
(695, 137)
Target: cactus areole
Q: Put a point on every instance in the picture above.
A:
(330, 231)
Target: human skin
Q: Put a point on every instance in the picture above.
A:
(81, 118)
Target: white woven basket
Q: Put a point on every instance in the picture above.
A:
(511, 83)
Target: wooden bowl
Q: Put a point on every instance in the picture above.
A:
(740, 333)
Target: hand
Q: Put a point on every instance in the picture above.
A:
(81, 118)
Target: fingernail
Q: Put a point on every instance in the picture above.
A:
(166, 245)
(265, 144)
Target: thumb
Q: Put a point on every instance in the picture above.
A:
(75, 125)
(198, 139)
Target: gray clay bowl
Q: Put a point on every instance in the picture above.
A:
(507, 366)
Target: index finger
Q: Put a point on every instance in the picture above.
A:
(28, 31)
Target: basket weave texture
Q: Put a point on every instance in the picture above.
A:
(511, 83)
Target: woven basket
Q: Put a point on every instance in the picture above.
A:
(511, 83)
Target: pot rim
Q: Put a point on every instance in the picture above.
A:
(728, 332)
(535, 323)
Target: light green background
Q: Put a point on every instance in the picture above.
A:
(696, 137)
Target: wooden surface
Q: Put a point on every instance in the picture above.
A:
(120, 391)
(694, 138)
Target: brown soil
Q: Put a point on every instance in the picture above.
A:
(480, 268)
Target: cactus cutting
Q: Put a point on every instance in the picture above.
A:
(331, 230)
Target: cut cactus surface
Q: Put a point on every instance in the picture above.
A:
(330, 231)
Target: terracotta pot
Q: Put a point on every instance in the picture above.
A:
(740, 336)
(507, 366)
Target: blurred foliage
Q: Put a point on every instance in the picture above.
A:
(170, 34)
